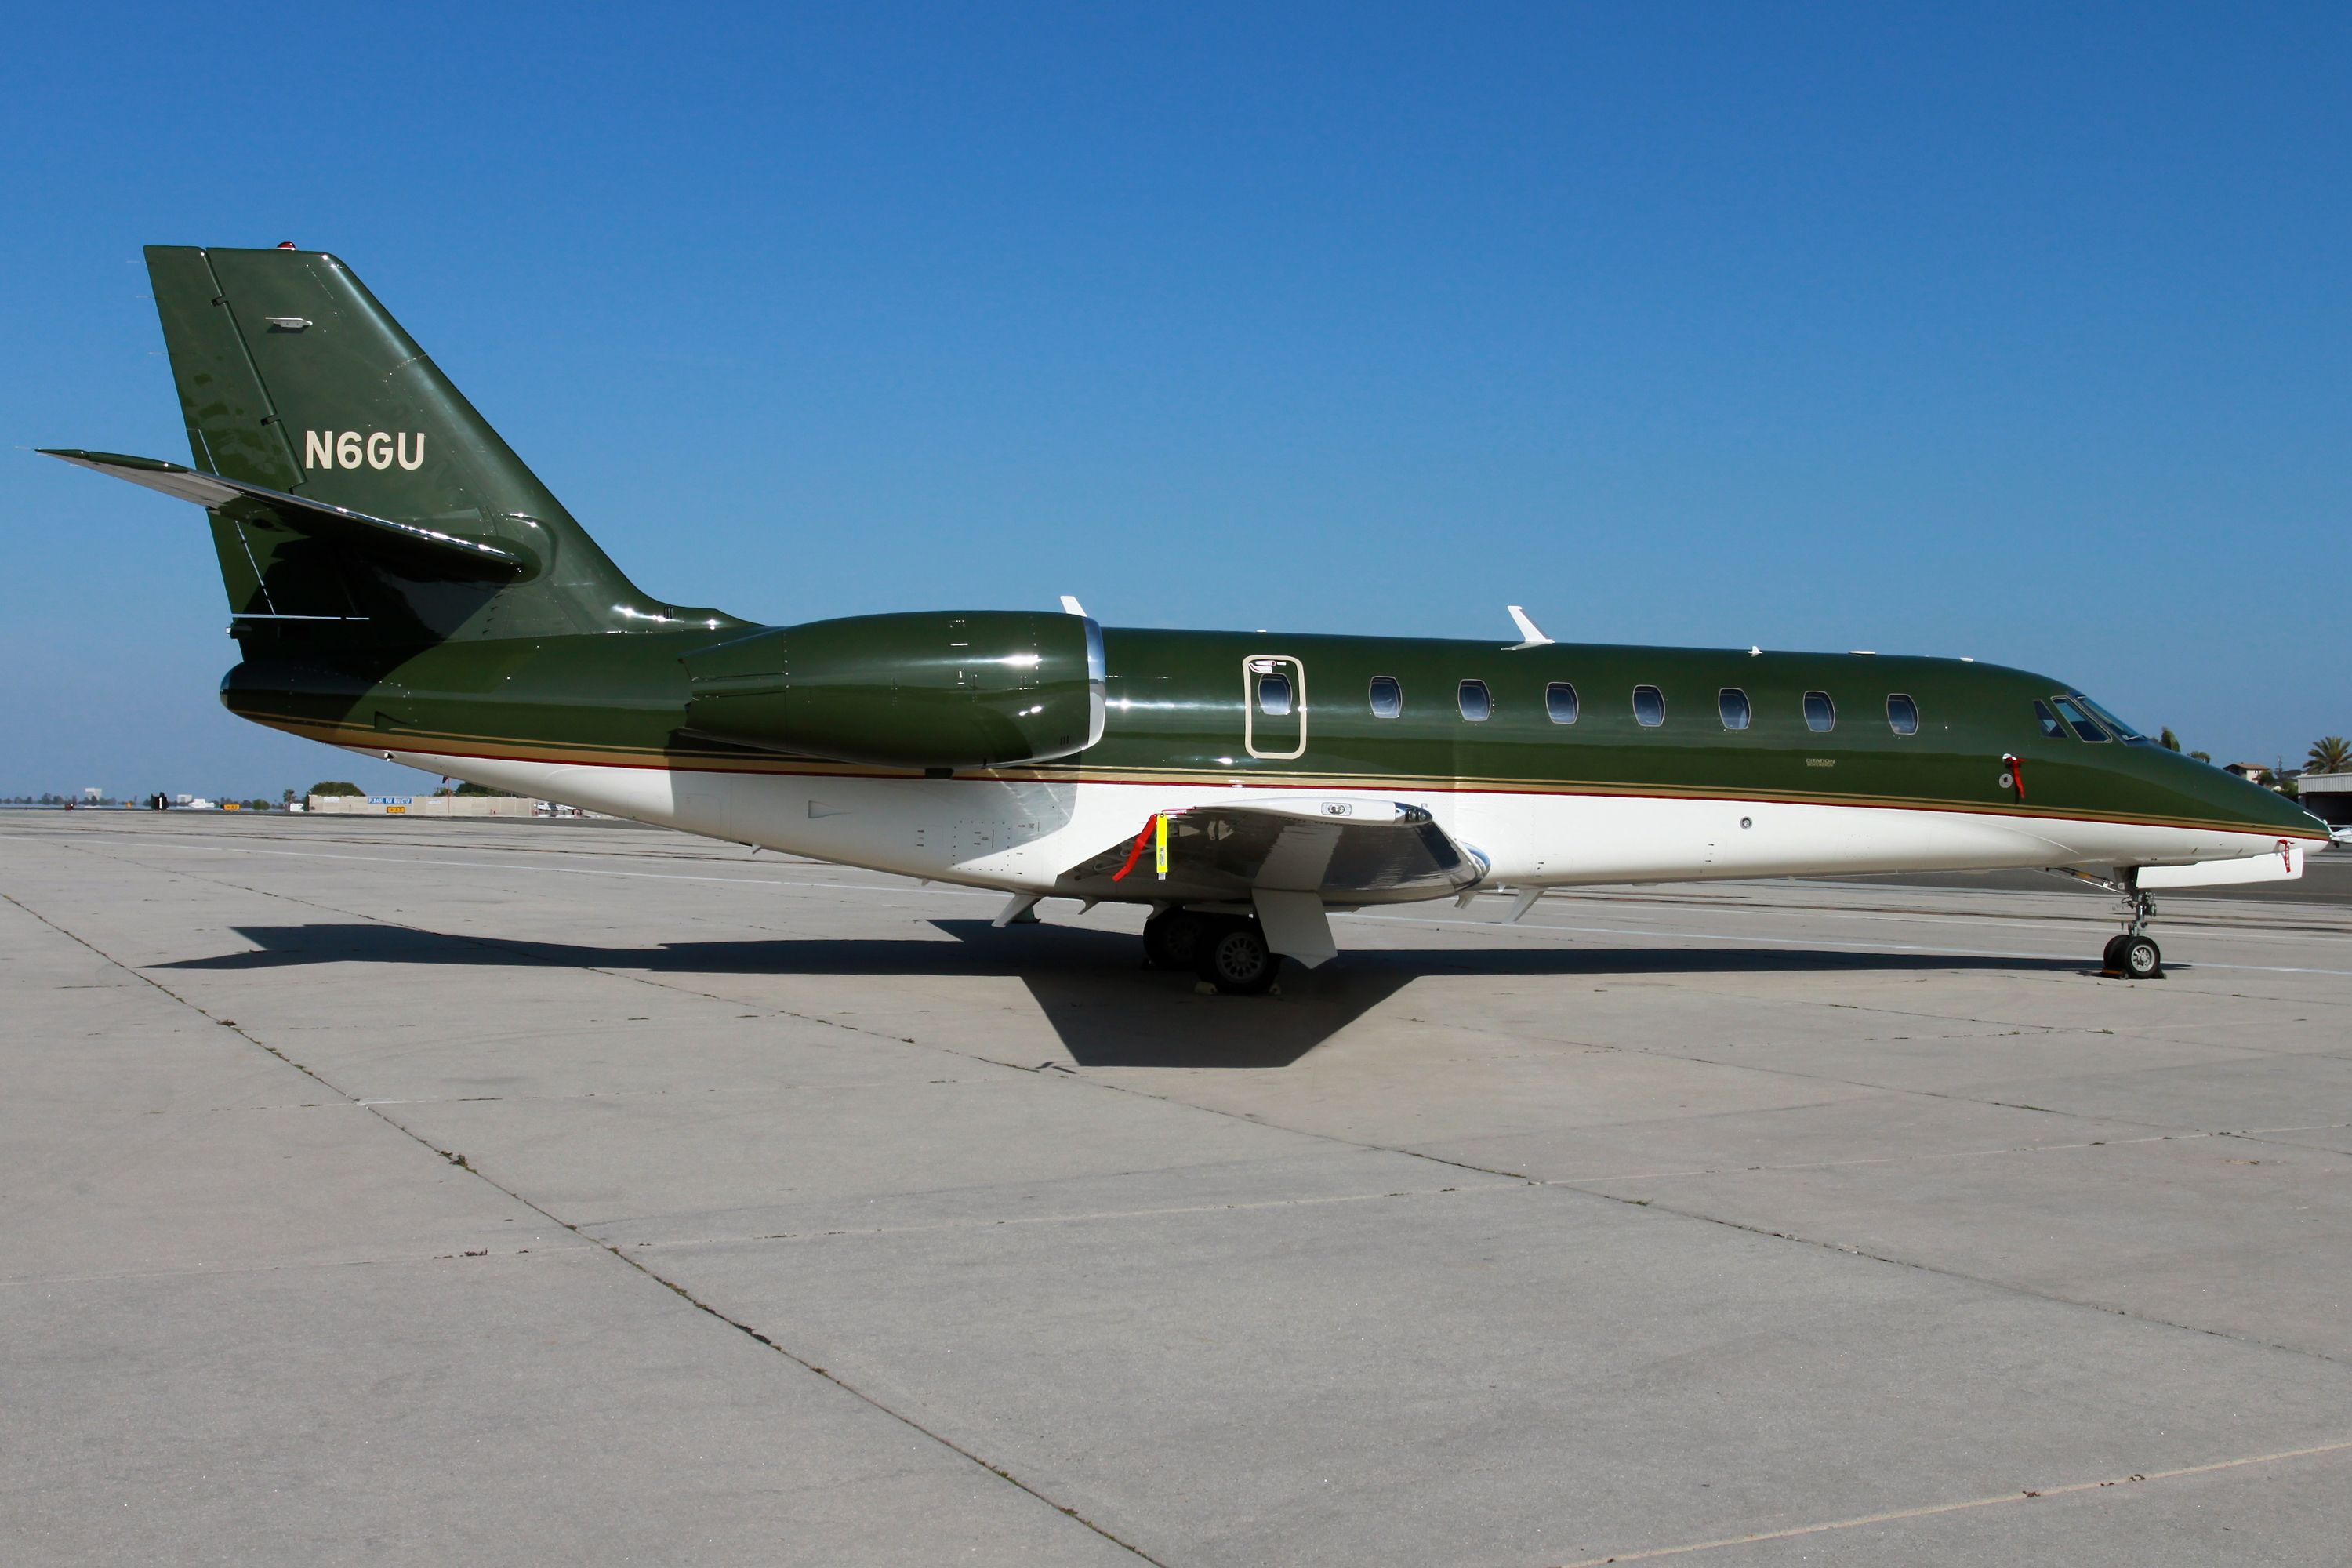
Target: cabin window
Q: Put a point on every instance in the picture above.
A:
(1821, 713)
(1273, 695)
(1732, 703)
(1902, 715)
(2050, 728)
(1649, 707)
(2124, 731)
(1386, 697)
(1476, 704)
(2085, 728)
(1560, 701)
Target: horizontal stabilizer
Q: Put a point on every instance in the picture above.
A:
(452, 555)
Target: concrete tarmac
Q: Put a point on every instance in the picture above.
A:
(508, 1193)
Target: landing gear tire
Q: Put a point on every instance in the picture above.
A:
(1172, 938)
(1233, 956)
(2133, 956)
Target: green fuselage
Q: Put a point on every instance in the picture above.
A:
(1178, 700)
(401, 582)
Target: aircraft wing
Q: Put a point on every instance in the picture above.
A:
(2282, 864)
(1350, 849)
(449, 553)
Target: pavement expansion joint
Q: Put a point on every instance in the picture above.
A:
(1873, 1362)
(2022, 1495)
(319, 1266)
(2008, 1287)
(853, 1390)
(1870, 1160)
(637, 1265)
(1087, 1217)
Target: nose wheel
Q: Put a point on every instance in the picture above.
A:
(2133, 956)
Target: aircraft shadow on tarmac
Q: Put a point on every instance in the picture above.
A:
(1107, 1010)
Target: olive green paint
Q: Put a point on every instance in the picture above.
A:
(293, 378)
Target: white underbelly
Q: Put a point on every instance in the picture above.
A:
(1023, 835)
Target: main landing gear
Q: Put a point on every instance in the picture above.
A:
(1229, 951)
(2133, 954)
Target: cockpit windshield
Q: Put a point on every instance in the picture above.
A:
(2124, 731)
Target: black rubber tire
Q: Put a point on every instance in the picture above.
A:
(2111, 960)
(1233, 956)
(1172, 938)
(2142, 959)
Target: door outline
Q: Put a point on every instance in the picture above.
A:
(1258, 664)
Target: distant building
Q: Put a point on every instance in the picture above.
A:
(2251, 772)
(2327, 796)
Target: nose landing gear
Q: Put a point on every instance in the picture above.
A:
(2133, 954)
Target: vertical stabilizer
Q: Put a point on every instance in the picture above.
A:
(291, 376)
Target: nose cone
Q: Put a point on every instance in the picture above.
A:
(2248, 807)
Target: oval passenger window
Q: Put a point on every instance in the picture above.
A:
(1649, 706)
(1902, 715)
(1476, 703)
(1821, 713)
(1560, 701)
(1386, 697)
(1732, 703)
(1273, 695)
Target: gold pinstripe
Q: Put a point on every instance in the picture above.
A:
(691, 760)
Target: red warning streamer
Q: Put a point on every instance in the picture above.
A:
(1135, 851)
(2016, 773)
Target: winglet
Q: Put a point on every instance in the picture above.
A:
(1535, 639)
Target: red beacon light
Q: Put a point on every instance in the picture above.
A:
(285, 245)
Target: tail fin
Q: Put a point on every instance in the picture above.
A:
(293, 379)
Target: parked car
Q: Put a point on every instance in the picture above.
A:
(2340, 835)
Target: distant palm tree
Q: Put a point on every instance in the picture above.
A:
(2169, 740)
(2329, 754)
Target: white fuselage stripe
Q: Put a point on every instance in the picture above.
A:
(1024, 835)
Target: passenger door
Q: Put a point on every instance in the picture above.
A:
(1274, 707)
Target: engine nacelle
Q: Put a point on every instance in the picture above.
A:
(945, 689)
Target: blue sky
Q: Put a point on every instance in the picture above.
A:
(2020, 333)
